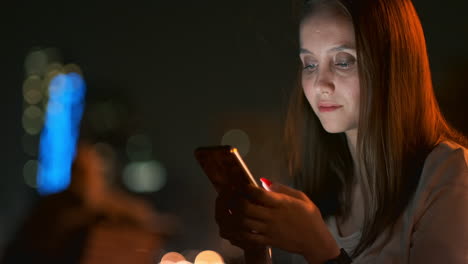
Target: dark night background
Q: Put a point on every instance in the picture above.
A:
(188, 72)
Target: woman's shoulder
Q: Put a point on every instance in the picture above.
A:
(436, 217)
(445, 170)
(447, 163)
(448, 147)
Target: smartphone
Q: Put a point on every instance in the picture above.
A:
(227, 170)
(224, 167)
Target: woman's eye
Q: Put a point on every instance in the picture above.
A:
(310, 67)
(344, 61)
(343, 65)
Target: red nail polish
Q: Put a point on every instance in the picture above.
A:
(266, 182)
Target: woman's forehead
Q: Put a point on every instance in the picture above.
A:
(327, 28)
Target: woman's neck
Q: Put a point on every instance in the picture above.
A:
(351, 136)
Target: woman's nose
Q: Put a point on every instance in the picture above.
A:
(324, 83)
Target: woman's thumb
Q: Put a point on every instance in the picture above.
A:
(266, 184)
(280, 188)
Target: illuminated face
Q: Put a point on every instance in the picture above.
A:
(330, 76)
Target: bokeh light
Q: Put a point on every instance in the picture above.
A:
(32, 120)
(139, 147)
(60, 132)
(53, 69)
(72, 68)
(237, 138)
(29, 173)
(51, 73)
(208, 257)
(32, 89)
(37, 61)
(144, 176)
(172, 258)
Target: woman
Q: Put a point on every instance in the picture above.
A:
(382, 177)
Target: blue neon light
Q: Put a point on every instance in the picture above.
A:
(59, 136)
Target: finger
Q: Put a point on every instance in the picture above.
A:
(254, 225)
(280, 188)
(226, 201)
(243, 244)
(245, 238)
(255, 211)
(253, 238)
(244, 208)
(261, 196)
(230, 227)
(238, 238)
(226, 195)
(249, 234)
(223, 217)
(223, 211)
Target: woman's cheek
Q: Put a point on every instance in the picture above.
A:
(307, 86)
(351, 92)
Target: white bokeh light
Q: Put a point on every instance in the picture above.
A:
(144, 176)
(238, 139)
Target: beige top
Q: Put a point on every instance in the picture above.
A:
(434, 227)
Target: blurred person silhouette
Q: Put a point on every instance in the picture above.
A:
(91, 221)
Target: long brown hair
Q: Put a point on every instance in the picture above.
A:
(399, 120)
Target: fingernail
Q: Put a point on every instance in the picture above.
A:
(266, 181)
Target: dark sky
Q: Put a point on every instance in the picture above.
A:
(189, 71)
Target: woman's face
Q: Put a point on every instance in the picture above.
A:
(330, 76)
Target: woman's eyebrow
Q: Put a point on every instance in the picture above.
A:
(304, 51)
(334, 49)
(342, 47)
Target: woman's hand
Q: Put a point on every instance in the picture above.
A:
(228, 222)
(284, 218)
(229, 226)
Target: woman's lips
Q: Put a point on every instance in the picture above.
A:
(328, 108)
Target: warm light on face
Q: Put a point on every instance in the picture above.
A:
(330, 76)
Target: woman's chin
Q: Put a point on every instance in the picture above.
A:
(334, 129)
